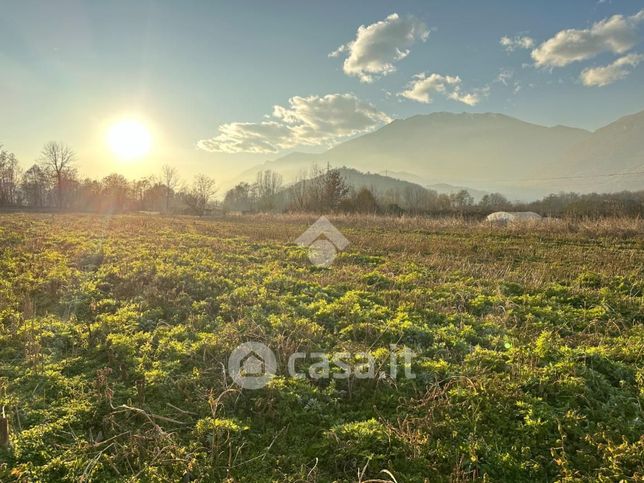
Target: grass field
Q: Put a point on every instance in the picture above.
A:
(115, 333)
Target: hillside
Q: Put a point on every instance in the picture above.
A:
(377, 183)
(386, 187)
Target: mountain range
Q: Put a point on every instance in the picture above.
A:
(488, 152)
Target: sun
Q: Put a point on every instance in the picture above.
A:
(129, 139)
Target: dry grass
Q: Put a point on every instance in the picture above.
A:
(531, 253)
(617, 227)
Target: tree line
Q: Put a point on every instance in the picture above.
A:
(53, 183)
(323, 191)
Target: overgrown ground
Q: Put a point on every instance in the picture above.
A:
(114, 333)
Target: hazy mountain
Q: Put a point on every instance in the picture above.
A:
(411, 177)
(438, 187)
(448, 189)
(459, 148)
(608, 152)
(487, 152)
(380, 183)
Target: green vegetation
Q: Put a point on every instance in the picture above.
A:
(114, 334)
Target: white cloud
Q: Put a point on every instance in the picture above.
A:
(378, 46)
(249, 137)
(317, 120)
(518, 42)
(423, 88)
(311, 121)
(602, 76)
(616, 34)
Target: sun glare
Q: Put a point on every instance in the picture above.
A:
(129, 139)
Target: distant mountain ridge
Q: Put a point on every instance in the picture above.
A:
(606, 159)
(487, 152)
(438, 187)
(377, 183)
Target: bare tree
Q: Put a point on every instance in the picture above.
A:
(461, 201)
(35, 185)
(57, 158)
(323, 191)
(495, 201)
(139, 189)
(170, 180)
(116, 191)
(197, 197)
(9, 175)
(414, 197)
(298, 191)
(267, 185)
(364, 201)
(240, 198)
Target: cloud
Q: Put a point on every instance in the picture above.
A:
(378, 46)
(317, 120)
(518, 42)
(249, 137)
(424, 87)
(310, 121)
(602, 76)
(616, 34)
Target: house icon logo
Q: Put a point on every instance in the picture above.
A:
(324, 241)
(252, 365)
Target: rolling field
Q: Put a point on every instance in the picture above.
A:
(115, 335)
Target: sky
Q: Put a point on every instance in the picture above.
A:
(224, 85)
